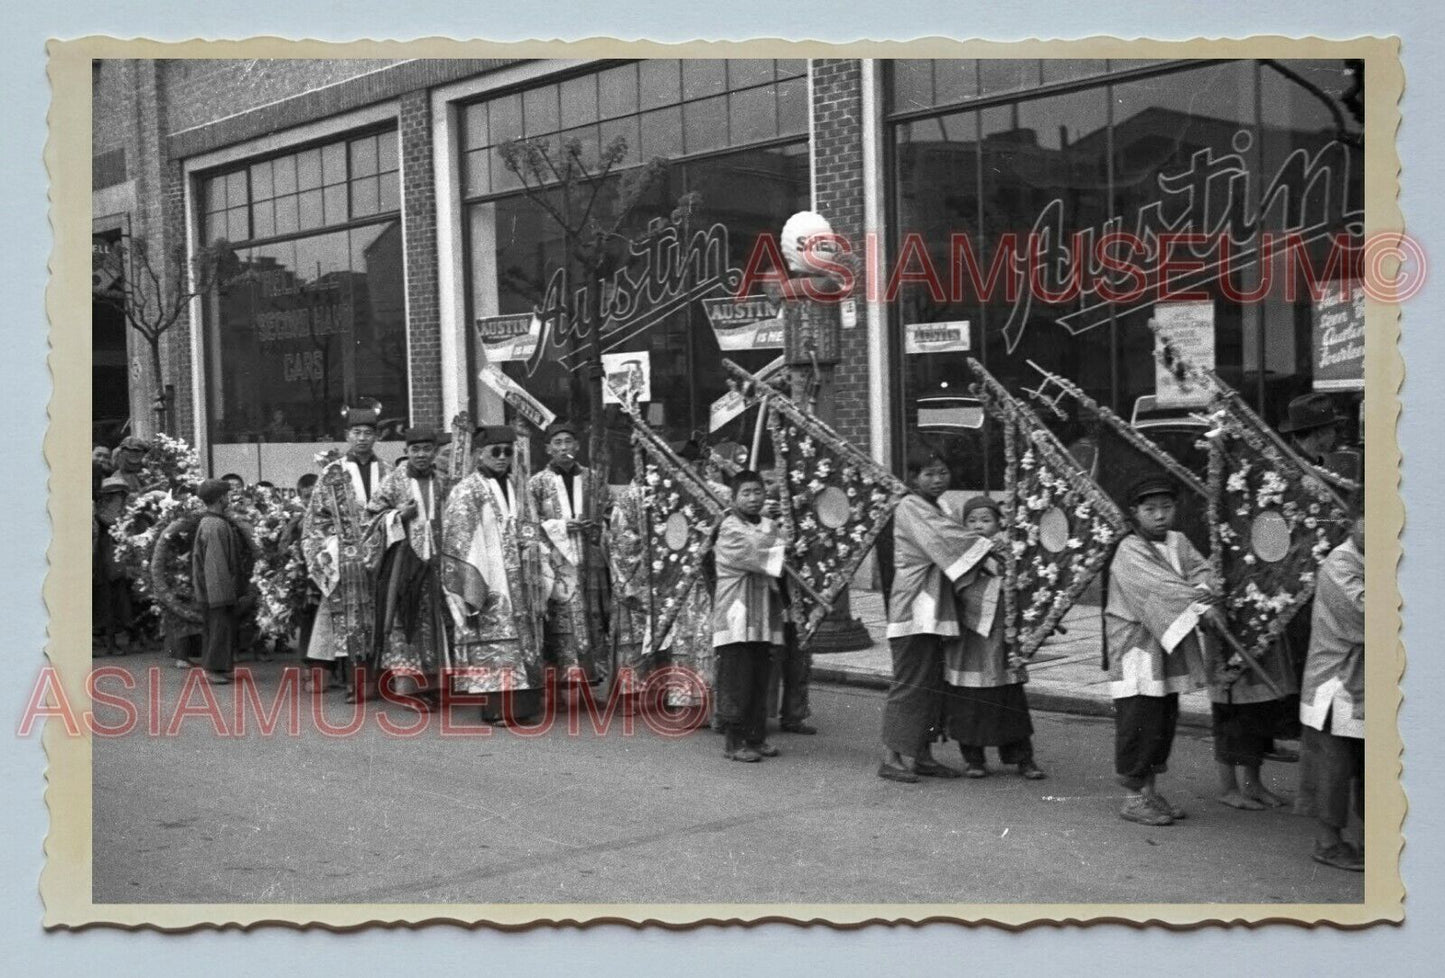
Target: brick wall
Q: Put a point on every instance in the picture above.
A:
(204, 90)
(838, 174)
(419, 211)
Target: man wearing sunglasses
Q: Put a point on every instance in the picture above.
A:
(571, 504)
(492, 598)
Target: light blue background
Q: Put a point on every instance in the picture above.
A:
(775, 949)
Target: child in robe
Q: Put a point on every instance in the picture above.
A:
(1332, 698)
(1157, 595)
(747, 618)
(985, 701)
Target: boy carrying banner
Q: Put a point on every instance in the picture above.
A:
(1157, 594)
(986, 703)
(747, 618)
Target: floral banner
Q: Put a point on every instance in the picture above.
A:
(1059, 526)
(835, 502)
(679, 515)
(1272, 521)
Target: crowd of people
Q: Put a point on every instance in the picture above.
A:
(515, 589)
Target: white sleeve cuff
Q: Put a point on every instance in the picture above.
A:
(1182, 626)
(972, 556)
(773, 561)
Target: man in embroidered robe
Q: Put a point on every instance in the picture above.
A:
(1158, 593)
(985, 701)
(571, 506)
(494, 583)
(411, 615)
(1332, 698)
(335, 544)
(933, 554)
(220, 574)
(747, 618)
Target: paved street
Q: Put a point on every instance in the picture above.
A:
(615, 818)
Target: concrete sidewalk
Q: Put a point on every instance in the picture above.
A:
(1064, 676)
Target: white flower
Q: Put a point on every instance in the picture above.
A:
(1236, 483)
(1250, 559)
(1075, 543)
(1019, 547)
(1311, 522)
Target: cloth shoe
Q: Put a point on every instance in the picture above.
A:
(1164, 805)
(1030, 770)
(764, 749)
(1341, 855)
(892, 772)
(745, 754)
(1138, 809)
(929, 768)
(798, 728)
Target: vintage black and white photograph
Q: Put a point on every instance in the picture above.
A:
(624, 479)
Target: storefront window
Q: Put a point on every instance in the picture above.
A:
(1203, 149)
(673, 109)
(317, 319)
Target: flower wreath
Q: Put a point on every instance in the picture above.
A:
(170, 568)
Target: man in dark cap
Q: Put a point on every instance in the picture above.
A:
(494, 583)
(130, 463)
(410, 610)
(220, 574)
(1312, 426)
(1157, 594)
(335, 545)
(110, 588)
(571, 504)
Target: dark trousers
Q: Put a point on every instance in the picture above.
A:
(1014, 752)
(915, 697)
(1340, 770)
(220, 636)
(1244, 732)
(793, 668)
(742, 690)
(1143, 736)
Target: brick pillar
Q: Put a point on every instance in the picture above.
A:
(837, 157)
(419, 222)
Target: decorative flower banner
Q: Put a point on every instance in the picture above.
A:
(679, 515)
(835, 502)
(1272, 521)
(1124, 454)
(1058, 525)
(1272, 516)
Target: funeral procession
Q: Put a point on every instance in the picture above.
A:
(728, 481)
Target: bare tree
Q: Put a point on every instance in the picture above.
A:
(590, 202)
(154, 292)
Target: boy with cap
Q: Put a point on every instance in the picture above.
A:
(1332, 698)
(411, 614)
(571, 505)
(985, 701)
(493, 590)
(220, 574)
(1157, 592)
(110, 588)
(747, 618)
(933, 555)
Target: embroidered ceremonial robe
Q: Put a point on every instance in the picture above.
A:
(747, 605)
(1334, 681)
(576, 623)
(979, 659)
(1157, 593)
(627, 561)
(341, 558)
(494, 617)
(411, 615)
(931, 553)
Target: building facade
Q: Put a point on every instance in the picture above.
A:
(387, 250)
